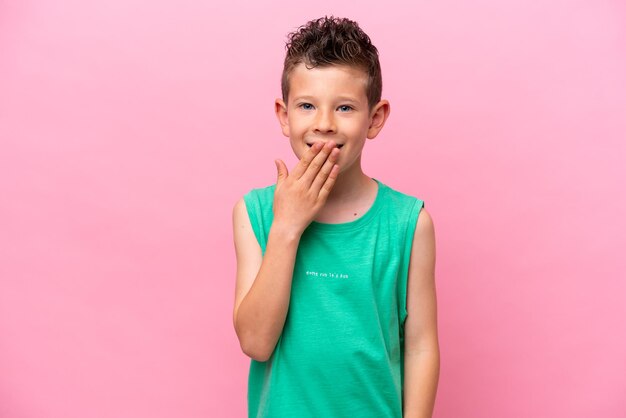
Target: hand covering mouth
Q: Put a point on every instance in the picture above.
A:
(338, 145)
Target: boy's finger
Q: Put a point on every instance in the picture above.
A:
(329, 183)
(306, 160)
(324, 172)
(282, 171)
(314, 167)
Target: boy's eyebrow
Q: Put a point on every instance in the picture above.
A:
(341, 98)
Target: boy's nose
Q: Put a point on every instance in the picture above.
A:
(325, 122)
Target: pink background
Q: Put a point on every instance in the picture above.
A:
(128, 129)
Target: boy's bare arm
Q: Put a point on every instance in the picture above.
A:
(263, 285)
(262, 299)
(421, 352)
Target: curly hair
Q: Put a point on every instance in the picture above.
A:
(333, 41)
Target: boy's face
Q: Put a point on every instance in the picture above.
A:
(330, 103)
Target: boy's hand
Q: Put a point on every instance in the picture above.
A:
(299, 196)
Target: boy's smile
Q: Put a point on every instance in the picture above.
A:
(328, 103)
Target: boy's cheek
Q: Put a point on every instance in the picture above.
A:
(299, 149)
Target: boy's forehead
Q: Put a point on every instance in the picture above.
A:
(336, 80)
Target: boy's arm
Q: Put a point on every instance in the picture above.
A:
(421, 352)
(263, 286)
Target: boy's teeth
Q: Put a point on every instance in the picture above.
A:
(338, 146)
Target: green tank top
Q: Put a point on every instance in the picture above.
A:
(341, 351)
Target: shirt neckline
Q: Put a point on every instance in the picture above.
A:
(357, 223)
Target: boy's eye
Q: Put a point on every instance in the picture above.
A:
(306, 106)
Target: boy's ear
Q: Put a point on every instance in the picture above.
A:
(281, 114)
(379, 115)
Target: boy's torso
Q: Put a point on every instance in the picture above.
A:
(341, 347)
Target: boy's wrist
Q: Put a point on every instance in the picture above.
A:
(285, 232)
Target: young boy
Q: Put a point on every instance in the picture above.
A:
(335, 295)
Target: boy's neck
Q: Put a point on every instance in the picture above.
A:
(352, 195)
(350, 187)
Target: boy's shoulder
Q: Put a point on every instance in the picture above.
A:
(396, 192)
(259, 201)
(261, 194)
(399, 198)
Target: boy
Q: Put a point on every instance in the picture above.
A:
(335, 294)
